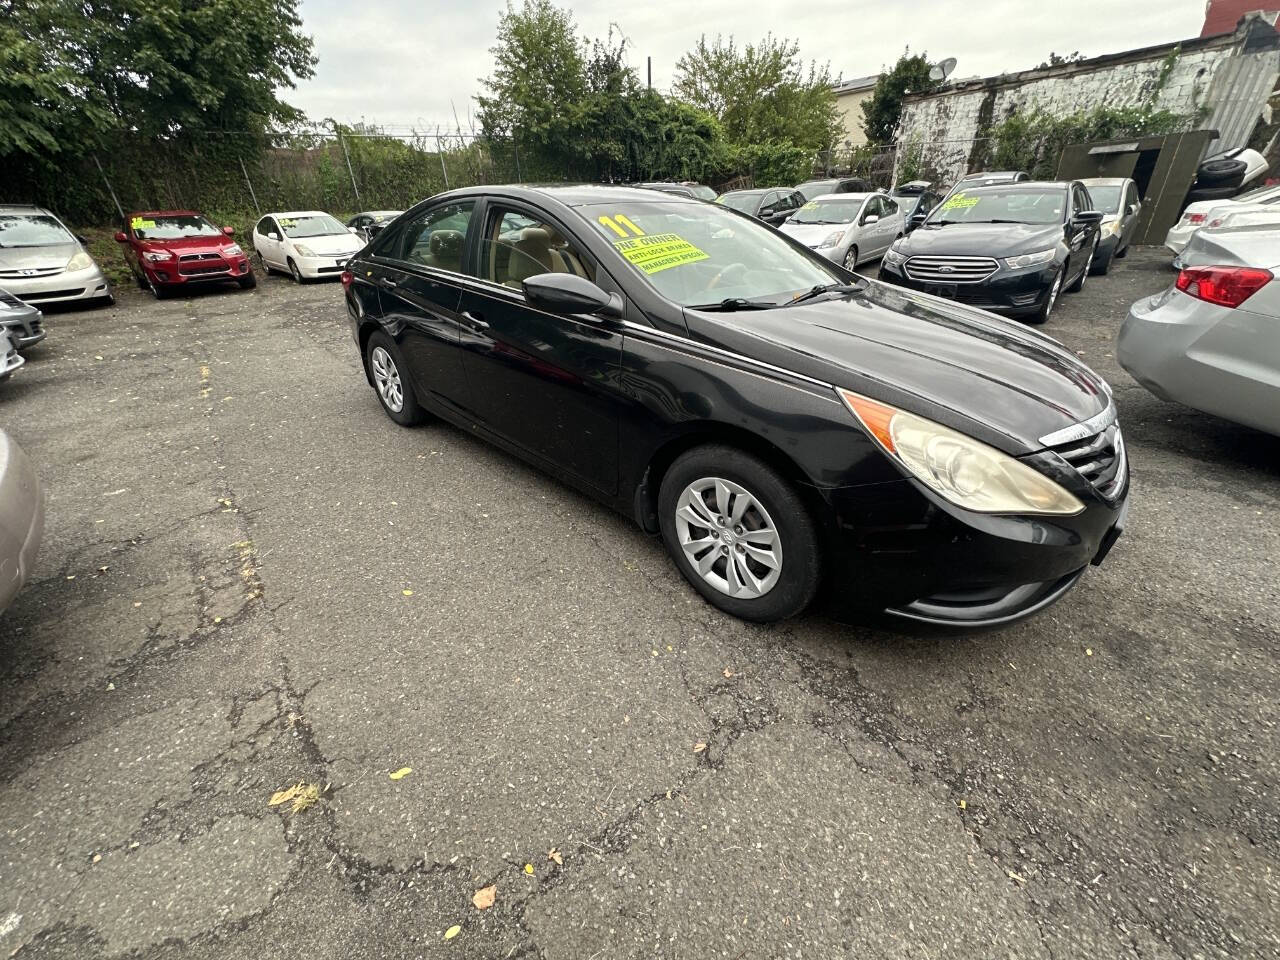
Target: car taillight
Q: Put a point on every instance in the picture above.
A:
(347, 277)
(1225, 286)
(1196, 217)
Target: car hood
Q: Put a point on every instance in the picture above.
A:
(980, 239)
(812, 234)
(38, 258)
(985, 376)
(331, 244)
(190, 244)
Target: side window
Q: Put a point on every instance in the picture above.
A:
(872, 208)
(890, 207)
(797, 200)
(436, 237)
(1081, 198)
(519, 245)
(1131, 194)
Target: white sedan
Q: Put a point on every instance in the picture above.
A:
(305, 244)
(849, 228)
(1201, 212)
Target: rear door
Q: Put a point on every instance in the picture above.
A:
(545, 382)
(418, 273)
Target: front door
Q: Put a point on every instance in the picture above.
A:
(268, 249)
(543, 381)
(417, 274)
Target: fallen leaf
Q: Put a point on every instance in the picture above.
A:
(554, 854)
(1088, 651)
(963, 805)
(728, 674)
(699, 747)
(111, 686)
(452, 932)
(1014, 876)
(483, 898)
(407, 593)
(302, 796)
(217, 619)
(97, 356)
(97, 857)
(528, 868)
(401, 773)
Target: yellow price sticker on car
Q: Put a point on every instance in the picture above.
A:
(661, 251)
(961, 201)
(137, 223)
(810, 206)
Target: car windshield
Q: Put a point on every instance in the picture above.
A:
(829, 210)
(702, 192)
(152, 227)
(745, 202)
(322, 225)
(701, 255)
(1011, 204)
(1106, 198)
(816, 188)
(32, 230)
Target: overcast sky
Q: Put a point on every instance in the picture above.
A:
(415, 61)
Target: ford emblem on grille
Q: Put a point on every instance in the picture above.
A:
(946, 269)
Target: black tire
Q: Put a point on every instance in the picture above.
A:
(1210, 193)
(140, 280)
(851, 258)
(267, 269)
(295, 272)
(247, 282)
(800, 572)
(1078, 283)
(1101, 264)
(158, 290)
(1122, 252)
(1055, 290)
(410, 412)
(1221, 173)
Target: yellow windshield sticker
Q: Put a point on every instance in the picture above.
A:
(661, 251)
(960, 201)
(810, 206)
(137, 223)
(620, 224)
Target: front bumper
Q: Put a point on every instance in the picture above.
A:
(67, 286)
(902, 550)
(10, 363)
(179, 273)
(22, 504)
(1209, 357)
(25, 329)
(1012, 293)
(1178, 236)
(313, 268)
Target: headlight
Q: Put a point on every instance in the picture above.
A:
(1111, 228)
(81, 261)
(832, 239)
(893, 258)
(304, 250)
(232, 251)
(1029, 259)
(157, 256)
(967, 473)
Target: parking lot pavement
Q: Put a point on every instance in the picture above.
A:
(251, 578)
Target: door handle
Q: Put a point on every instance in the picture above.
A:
(388, 282)
(474, 320)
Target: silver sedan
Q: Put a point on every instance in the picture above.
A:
(1212, 340)
(21, 518)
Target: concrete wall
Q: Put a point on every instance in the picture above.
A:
(946, 124)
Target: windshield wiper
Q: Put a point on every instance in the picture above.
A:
(730, 304)
(822, 288)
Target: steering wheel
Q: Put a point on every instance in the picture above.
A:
(728, 274)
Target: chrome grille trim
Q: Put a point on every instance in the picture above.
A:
(1101, 460)
(1081, 430)
(950, 269)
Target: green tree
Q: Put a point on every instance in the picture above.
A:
(882, 110)
(73, 72)
(760, 93)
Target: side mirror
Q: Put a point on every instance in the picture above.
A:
(83, 241)
(373, 229)
(273, 236)
(354, 231)
(918, 218)
(570, 293)
(871, 218)
(1130, 208)
(1088, 217)
(767, 212)
(120, 237)
(229, 231)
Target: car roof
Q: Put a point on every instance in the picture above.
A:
(754, 191)
(574, 195)
(296, 213)
(24, 208)
(1104, 181)
(1024, 185)
(164, 213)
(994, 174)
(851, 195)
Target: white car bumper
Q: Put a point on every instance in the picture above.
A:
(68, 286)
(329, 265)
(1178, 235)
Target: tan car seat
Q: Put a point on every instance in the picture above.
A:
(445, 250)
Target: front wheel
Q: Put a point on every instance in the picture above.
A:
(739, 533)
(851, 258)
(247, 282)
(1078, 284)
(1050, 299)
(387, 371)
(295, 272)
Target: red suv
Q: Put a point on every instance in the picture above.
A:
(172, 249)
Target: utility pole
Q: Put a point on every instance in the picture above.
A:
(649, 65)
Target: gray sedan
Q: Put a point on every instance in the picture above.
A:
(21, 518)
(24, 322)
(9, 359)
(1212, 340)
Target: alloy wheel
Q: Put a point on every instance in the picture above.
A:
(728, 537)
(293, 269)
(1088, 264)
(386, 377)
(851, 258)
(1054, 291)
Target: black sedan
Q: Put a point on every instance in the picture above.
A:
(780, 422)
(772, 206)
(1011, 248)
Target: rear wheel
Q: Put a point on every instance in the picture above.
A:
(387, 371)
(739, 533)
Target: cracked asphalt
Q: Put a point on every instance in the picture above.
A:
(222, 608)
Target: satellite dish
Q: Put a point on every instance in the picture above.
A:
(941, 71)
